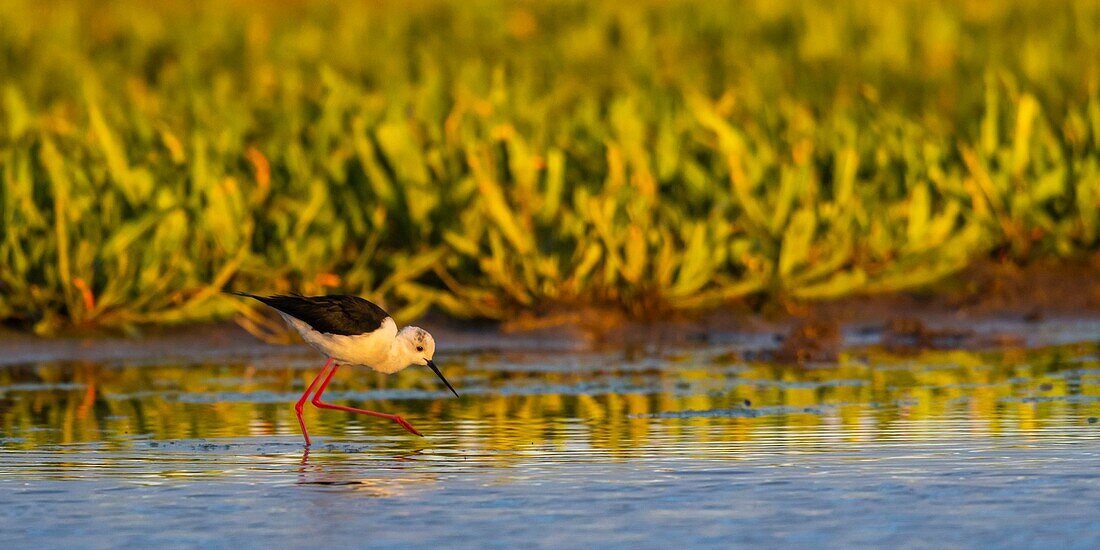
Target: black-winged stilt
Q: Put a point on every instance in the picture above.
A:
(352, 331)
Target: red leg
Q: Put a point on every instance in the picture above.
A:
(301, 402)
(322, 405)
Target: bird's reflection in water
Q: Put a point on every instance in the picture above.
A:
(391, 479)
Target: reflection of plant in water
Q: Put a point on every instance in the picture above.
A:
(520, 411)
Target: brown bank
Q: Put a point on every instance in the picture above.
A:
(994, 305)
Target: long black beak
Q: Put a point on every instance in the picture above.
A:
(435, 369)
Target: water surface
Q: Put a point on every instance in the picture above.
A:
(639, 448)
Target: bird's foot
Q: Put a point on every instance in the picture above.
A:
(406, 425)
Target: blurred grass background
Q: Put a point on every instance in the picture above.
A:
(490, 158)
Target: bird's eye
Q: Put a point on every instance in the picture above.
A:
(419, 348)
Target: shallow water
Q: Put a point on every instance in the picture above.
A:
(636, 448)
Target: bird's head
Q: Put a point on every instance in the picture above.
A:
(419, 347)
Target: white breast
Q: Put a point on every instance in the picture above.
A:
(371, 349)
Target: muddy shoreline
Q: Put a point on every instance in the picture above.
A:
(989, 306)
(791, 339)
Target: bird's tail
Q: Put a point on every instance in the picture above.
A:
(245, 294)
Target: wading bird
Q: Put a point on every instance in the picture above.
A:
(352, 331)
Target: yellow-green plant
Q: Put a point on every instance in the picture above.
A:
(490, 158)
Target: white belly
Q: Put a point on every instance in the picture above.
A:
(370, 349)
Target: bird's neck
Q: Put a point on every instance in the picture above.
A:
(396, 358)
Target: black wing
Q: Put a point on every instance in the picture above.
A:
(338, 314)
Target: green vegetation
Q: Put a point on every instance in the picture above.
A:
(492, 157)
